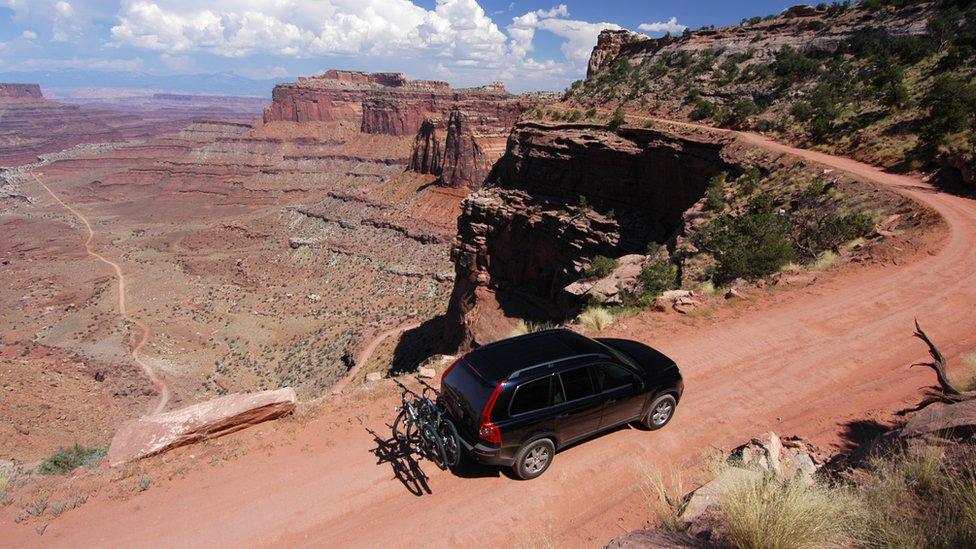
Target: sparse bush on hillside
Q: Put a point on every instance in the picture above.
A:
(751, 245)
(792, 65)
(66, 460)
(952, 107)
(617, 120)
(656, 277)
(715, 193)
(600, 267)
(742, 110)
(703, 109)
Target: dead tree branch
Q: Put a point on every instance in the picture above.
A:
(938, 363)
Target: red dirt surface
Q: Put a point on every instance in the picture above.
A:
(813, 361)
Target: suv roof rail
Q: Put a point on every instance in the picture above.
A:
(552, 363)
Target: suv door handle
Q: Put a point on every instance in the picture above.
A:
(562, 416)
(611, 401)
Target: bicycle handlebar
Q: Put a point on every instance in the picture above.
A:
(405, 388)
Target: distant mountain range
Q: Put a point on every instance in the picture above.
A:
(220, 83)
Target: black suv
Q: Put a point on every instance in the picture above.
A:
(518, 400)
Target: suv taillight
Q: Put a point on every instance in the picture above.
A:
(488, 431)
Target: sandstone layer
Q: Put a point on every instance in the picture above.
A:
(153, 434)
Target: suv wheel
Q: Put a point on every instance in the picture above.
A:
(662, 410)
(534, 458)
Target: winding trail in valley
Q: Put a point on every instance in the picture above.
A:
(816, 361)
(161, 388)
(363, 356)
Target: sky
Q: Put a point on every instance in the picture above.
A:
(528, 45)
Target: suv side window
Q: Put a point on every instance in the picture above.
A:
(577, 383)
(530, 396)
(611, 376)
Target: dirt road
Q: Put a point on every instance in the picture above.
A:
(364, 355)
(810, 361)
(157, 382)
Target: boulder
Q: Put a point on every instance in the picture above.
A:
(428, 373)
(953, 417)
(373, 377)
(783, 457)
(708, 497)
(146, 436)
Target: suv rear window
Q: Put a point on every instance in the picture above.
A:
(531, 396)
(466, 387)
(577, 384)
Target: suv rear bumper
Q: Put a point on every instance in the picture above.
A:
(487, 454)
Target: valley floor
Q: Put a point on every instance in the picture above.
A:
(816, 361)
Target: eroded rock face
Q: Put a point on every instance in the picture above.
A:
(389, 103)
(426, 156)
(24, 92)
(465, 165)
(139, 438)
(802, 27)
(608, 46)
(522, 241)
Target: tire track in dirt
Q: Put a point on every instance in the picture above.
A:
(158, 383)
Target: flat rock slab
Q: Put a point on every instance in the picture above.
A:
(944, 418)
(146, 436)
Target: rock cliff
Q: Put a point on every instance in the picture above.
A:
(559, 196)
(465, 165)
(426, 156)
(23, 92)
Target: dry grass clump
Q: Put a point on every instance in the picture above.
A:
(596, 318)
(766, 513)
(919, 501)
(523, 327)
(665, 498)
(966, 379)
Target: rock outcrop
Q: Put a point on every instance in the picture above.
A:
(389, 103)
(426, 156)
(808, 29)
(522, 241)
(465, 165)
(20, 92)
(146, 436)
(608, 46)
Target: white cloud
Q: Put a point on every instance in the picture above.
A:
(28, 35)
(87, 63)
(64, 9)
(671, 26)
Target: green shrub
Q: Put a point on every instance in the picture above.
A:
(833, 230)
(952, 106)
(66, 460)
(617, 119)
(750, 246)
(658, 276)
(715, 193)
(600, 267)
(793, 66)
(591, 112)
(742, 110)
(703, 109)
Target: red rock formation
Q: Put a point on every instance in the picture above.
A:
(608, 46)
(464, 163)
(803, 28)
(20, 92)
(522, 241)
(426, 157)
(153, 434)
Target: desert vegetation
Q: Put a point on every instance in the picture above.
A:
(906, 101)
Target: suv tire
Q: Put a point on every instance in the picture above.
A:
(534, 458)
(660, 413)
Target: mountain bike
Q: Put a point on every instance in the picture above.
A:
(422, 423)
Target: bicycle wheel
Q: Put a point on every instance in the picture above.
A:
(432, 445)
(402, 429)
(451, 443)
